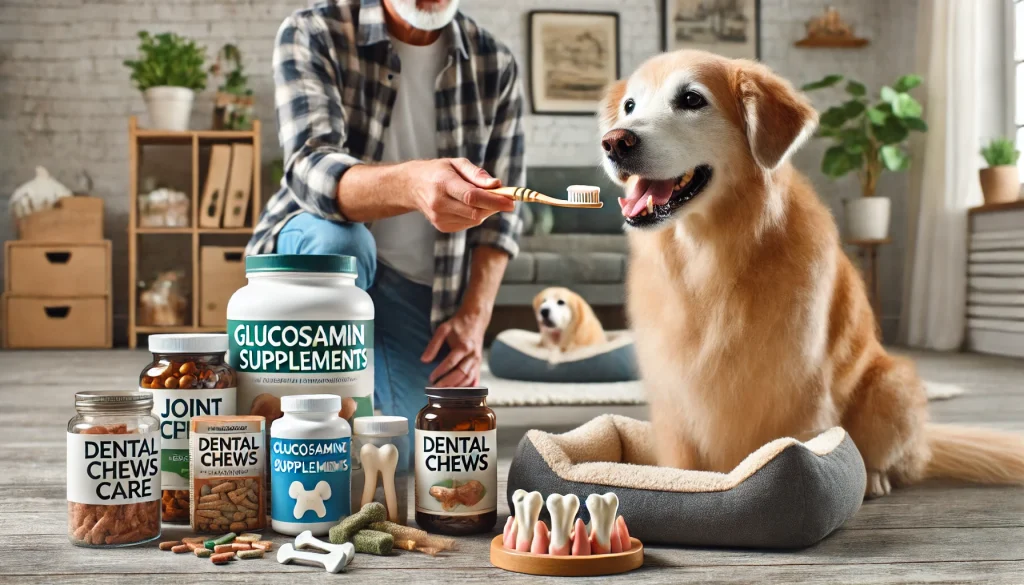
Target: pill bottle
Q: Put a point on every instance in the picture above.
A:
(187, 377)
(300, 326)
(310, 465)
(379, 431)
(113, 470)
(456, 454)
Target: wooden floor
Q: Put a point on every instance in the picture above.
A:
(936, 533)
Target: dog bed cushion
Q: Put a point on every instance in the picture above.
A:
(516, 354)
(787, 494)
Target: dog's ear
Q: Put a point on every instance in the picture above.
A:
(778, 119)
(609, 112)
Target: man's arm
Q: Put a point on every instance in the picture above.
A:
(492, 243)
(328, 181)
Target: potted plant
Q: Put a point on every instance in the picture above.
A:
(869, 136)
(1000, 182)
(169, 72)
(233, 107)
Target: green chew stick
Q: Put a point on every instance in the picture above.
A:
(373, 542)
(347, 529)
(226, 539)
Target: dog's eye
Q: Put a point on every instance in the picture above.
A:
(628, 108)
(561, 302)
(690, 100)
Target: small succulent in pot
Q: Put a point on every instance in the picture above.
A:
(169, 70)
(233, 109)
(1000, 181)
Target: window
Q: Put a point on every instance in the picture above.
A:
(1018, 72)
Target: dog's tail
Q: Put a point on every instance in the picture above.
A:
(975, 455)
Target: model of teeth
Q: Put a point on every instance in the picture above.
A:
(527, 509)
(541, 539)
(580, 544)
(562, 510)
(602, 519)
(385, 460)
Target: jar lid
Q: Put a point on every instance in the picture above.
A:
(113, 401)
(380, 426)
(188, 343)
(468, 392)
(311, 403)
(301, 263)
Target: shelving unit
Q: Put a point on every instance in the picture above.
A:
(138, 140)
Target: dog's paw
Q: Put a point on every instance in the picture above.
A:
(878, 485)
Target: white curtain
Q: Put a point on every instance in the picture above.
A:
(944, 182)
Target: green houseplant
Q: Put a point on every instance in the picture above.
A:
(1000, 182)
(168, 72)
(233, 108)
(869, 136)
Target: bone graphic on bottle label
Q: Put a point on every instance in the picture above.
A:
(311, 500)
(562, 510)
(602, 519)
(527, 510)
(384, 459)
(332, 562)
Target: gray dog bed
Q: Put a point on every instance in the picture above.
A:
(787, 494)
(516, 354)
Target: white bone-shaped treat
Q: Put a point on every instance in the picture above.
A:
(562, 510)
(602, 520)
(311, 500)
(527, 509)
(332, 562)
(306, 540)
(385, 460)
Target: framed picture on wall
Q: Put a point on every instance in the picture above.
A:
(573, 56)
(731, 28)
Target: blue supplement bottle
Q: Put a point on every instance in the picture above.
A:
(310, 462)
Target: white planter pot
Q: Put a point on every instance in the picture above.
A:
(867, 218)
(170, 108)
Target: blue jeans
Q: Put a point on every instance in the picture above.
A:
(401, 307)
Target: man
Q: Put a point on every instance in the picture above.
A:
(433, 104)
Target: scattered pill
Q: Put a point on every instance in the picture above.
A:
(202, 552)
(226, 539)
(264, 545)
(222, 558)
(223, 548)
(250, 554)
(248, 537)
(239, 546)
(181, 548)
(169, 544)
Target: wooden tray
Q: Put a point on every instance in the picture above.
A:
(566, 566)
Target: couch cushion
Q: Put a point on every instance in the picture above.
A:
(520, 269)
(598, 267)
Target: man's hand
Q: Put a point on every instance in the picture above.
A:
(464, 334)
(450, 193)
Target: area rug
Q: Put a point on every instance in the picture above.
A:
(515, 393)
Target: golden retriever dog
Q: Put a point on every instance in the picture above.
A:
(566, 321)
(750, 322)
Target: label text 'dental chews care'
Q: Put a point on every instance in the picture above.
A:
(114, 470)
(300, 346)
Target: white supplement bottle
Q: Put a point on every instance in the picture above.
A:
(310, 465)
(301, 326)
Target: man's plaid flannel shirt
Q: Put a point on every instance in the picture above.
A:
(335, 75)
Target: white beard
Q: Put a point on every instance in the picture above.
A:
(425, 19)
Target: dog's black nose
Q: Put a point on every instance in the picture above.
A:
(618, 143)
(545, 312)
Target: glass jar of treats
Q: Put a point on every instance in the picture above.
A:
(113, 469)
(188, 377)
(456, 454)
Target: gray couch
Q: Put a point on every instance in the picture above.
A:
(585, 251)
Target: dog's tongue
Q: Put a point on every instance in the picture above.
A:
(636, 199)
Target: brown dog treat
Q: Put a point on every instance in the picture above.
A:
(223, 548)
(264, 545)
(222, 558)
(248, 537)
(181, 548)
(237, 546)
(202, 552)
(169, 544)
(250, 554)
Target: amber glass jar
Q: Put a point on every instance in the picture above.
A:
(456, 462)
(187, 377)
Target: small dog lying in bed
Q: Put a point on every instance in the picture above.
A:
(750, 322)
(566, 321)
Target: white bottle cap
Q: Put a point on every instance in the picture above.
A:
(380, 426)
(311, 403)
(188, 343)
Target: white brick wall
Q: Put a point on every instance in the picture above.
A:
(65, 97)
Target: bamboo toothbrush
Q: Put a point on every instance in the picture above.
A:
(580, 196)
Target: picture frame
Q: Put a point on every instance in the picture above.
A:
(573, 56)
(690, 24)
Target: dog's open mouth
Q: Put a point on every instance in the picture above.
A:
(649, 202)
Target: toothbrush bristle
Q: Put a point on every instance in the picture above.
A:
(584, 194)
